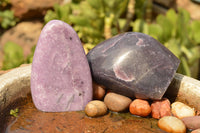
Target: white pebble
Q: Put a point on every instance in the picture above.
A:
(181, 110)
(95, 108)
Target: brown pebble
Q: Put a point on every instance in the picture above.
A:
(160, 108)
(140, 107)
(171, 124)
(95, 108)
(192, 122)
(98, 91)
(116, 102)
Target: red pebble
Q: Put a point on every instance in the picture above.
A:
(160, 108)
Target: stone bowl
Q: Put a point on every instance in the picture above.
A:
(15, 86)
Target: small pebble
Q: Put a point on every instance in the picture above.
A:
(196, 131)
(171, 124)
(181, 110)
(98, 91)
(116, 102)
(140, 107)
(95, 108)
(160, 108)
(192, 122)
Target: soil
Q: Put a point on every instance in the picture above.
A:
(31, 120)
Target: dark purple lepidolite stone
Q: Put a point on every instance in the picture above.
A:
(60, 78)
(133, 64)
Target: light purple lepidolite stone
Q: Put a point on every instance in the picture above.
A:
(60, 78)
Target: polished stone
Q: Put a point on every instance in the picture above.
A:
(60, 78)
(133, 64)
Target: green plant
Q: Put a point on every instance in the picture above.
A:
(94, 20)
(179, 34)
(61, 12)
(7, 19)
(14, 112)
(13, 56)
(100, 20)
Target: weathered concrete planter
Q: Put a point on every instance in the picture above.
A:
(16, 84)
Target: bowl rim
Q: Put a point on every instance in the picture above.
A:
(16, 84)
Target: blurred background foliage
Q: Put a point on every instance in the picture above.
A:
(7, 19)
(97, 20)
(14, 57)
(179, 34)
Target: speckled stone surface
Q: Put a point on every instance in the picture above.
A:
(133, 64)
(60, 78)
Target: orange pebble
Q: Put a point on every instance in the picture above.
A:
(140, 107)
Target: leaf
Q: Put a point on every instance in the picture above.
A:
(195, 32)
(167, 27)
(140, 26)
(78, 20)
(174, 46)
(7, 19)
(184, 67)
(172, 16)
(14, 112)
(89, 46)
(50, 15)
(182, 26)
(195, 55)
(88, 12)
(60, 12)
(183, 15)
(155, 31)
(186, 51)
(122, 22)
